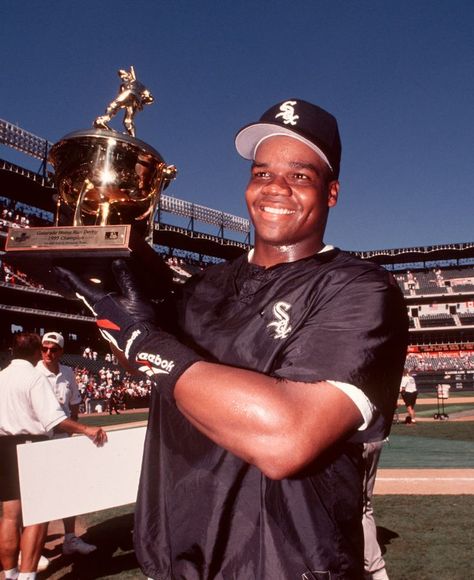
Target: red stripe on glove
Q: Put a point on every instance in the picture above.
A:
(108, 324)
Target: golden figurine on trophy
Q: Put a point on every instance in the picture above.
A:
(132, 97)
(108, 187)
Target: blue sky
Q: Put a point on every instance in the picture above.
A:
(398, 75)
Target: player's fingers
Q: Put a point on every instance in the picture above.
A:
(126, 280)
(72, 282)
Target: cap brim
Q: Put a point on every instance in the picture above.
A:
(47, 338)
(248, 139)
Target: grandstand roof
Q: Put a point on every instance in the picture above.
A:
(445, 252)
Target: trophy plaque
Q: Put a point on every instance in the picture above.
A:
(108, 187)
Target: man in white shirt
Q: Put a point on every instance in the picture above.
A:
(64, 386)
(28, 412)
(409, 394)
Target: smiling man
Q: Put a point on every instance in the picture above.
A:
(280, 365)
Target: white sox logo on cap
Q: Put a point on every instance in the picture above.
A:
(288, 113)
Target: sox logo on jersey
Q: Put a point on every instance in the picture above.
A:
(282, 319)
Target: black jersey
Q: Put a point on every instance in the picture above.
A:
(204, 513)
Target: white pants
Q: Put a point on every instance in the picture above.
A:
(374, 564)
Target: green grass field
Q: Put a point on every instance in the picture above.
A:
(426, 537)
(105, 419)
(437, 445)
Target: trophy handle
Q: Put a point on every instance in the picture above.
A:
(104, 209)
(168, 173)
(86, 187)
(58, 210)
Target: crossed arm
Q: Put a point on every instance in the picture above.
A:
(277, 425)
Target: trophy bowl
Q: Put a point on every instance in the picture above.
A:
(107, 178)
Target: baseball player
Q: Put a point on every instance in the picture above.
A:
(280, 365)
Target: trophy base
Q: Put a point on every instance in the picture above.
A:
(88, 251)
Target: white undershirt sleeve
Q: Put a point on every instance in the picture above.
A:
(360, 400)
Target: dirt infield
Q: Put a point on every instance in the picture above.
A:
(424, 482)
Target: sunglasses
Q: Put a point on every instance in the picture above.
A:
(51, 348)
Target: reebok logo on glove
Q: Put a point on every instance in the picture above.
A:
(154, 364)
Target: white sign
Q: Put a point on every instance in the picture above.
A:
(71, 476)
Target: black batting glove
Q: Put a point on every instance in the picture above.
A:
(126, 321)
(117, 315)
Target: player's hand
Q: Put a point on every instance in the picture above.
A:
(118, 316)
(97, 435)
(126, 321)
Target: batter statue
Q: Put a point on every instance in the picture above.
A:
(132, 97)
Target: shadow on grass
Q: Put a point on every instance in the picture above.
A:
(385, 537)
(114, 555)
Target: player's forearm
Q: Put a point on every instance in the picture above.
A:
(261, 419)
(235, 408)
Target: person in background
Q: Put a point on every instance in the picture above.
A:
(64, 386)
(374, 564)
(28, 413)
(409, 394)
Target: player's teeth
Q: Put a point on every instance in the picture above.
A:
(278, 210)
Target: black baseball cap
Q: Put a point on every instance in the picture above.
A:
(298, 119)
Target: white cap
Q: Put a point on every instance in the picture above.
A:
(53, 337)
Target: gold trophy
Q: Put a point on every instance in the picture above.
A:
(109, 184)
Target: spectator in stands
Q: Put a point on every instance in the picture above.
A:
(16, 276)
(28, 412)
(411, 282)
(409, 394)
(89, 397)
(115, 400)
(63, 384)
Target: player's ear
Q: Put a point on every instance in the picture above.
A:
(333, 192)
